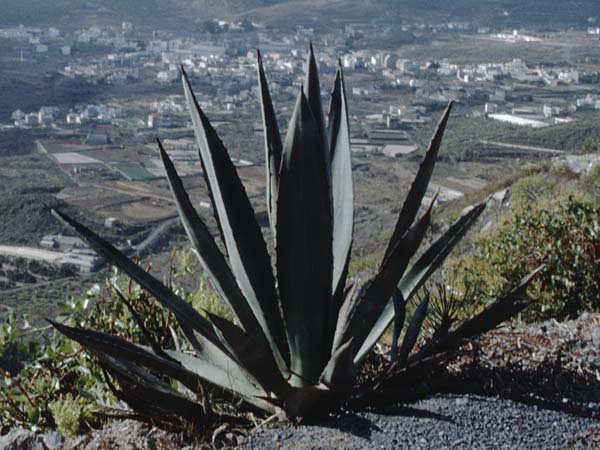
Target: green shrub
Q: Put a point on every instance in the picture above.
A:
(71, 414)
(48, 382)
(563, 236)
(530, 190)
(37, 366)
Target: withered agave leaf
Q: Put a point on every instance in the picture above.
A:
(303, 247)
(248, 256)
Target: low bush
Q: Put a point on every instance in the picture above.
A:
(48, 382)
(563, 236)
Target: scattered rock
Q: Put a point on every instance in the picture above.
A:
(580, 164)
(53, 440)
(21, 439)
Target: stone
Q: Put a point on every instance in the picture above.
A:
(53, 440)
(461, 401)
(21, 439)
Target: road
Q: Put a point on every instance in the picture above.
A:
(54, 257)
(31, 253)
(155, 234)
(530, 148)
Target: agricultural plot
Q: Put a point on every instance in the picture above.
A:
(99, 155)
(133, 171)
(74, 158)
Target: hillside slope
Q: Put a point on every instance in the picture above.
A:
(186, 14)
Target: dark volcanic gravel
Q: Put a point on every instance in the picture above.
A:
(440, 422)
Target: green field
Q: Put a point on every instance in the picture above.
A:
(133, 171)
(148, 164)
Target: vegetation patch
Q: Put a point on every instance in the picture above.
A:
(553, 221)
(133, 171)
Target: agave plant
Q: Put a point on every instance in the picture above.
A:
(300, 332)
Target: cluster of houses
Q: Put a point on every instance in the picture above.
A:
(222, 60)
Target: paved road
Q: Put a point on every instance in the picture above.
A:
(523, 147)
(155, 234)
(52, 257)
(31, 253)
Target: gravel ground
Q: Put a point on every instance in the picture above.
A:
(439, 422)
(552, 364)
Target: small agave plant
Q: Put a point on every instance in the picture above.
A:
(300, 332)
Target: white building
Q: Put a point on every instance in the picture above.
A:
(167, 76)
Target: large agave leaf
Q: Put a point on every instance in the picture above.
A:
(383, 285)
(434, 256)
(156, 348)
(214, 263)
(418, 189)
(103, 343)
(312, 400)
(273, 146)
(343, 316)
(420, 272)
(182, 310)
(253, 355)
(221, 359)
(312, 91)
(227, 375)
(338, 130)
(399, 318)
(248, 256)
(150, 393)
(128, 393)
(304, 259)
(340, 372)
(413, 330)
(215, 367)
